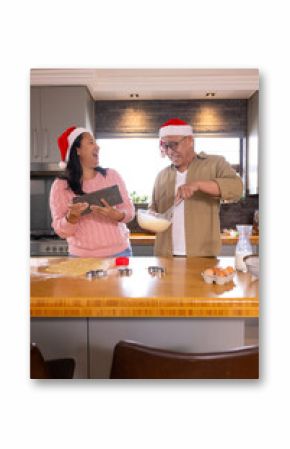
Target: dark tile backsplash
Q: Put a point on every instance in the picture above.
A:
(239, 213)
(133, 225)
(230, 214)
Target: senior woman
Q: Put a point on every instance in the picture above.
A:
(103, 231)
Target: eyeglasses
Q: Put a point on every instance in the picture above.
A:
(172, 145)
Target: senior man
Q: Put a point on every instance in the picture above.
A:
(200, 180)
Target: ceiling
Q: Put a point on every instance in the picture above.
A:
(154, 84)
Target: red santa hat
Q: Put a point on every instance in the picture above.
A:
(65, 142)
(175, 127)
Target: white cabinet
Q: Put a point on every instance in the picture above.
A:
(53, 109)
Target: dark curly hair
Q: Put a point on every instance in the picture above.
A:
(73, 172)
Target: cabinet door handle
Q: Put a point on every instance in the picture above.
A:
(45, 143)
(35, 144)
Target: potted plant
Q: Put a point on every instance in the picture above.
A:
(140, 202)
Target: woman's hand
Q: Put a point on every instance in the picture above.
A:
(74, 212)
(107, 211)
(186, 191)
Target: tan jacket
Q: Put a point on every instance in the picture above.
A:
(201, 211)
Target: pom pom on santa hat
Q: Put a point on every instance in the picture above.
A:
(65, 142)
(175, 127)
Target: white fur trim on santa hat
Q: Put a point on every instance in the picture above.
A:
(175, 130)
(73, 136)
(62, 165)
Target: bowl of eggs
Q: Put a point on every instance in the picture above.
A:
(217, 275)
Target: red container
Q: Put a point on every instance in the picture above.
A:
(122, 261)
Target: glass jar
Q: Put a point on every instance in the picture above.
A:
(244, 247)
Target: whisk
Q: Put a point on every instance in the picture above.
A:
(168, 214)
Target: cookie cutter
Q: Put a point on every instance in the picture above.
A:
(156, 271)
(125, 271)
(93, 274)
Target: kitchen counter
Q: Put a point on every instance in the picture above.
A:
(180, 293)
(149, 239)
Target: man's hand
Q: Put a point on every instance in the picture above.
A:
(186, 191)
(74, 212)
(107, 211)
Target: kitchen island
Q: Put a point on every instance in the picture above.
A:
(85, 318)
(181, 292)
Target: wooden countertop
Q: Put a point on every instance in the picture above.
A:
(149, 239)
(180, 293)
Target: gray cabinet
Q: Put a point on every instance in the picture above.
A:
(91, 341)
(143, 250)
(35, 125)
(53, 109)
(230, 250)
(226, 250)
(176, 334)
(62, 338)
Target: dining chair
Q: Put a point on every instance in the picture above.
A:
(49, 369)
(132, 360)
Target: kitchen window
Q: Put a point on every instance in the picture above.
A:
(228, 147)
(138, 160)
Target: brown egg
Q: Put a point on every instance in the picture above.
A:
(222, 272)
(208, 272)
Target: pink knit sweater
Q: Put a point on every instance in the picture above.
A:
(92, 236)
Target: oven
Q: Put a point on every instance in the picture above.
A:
(43, 240)
(46, 245)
